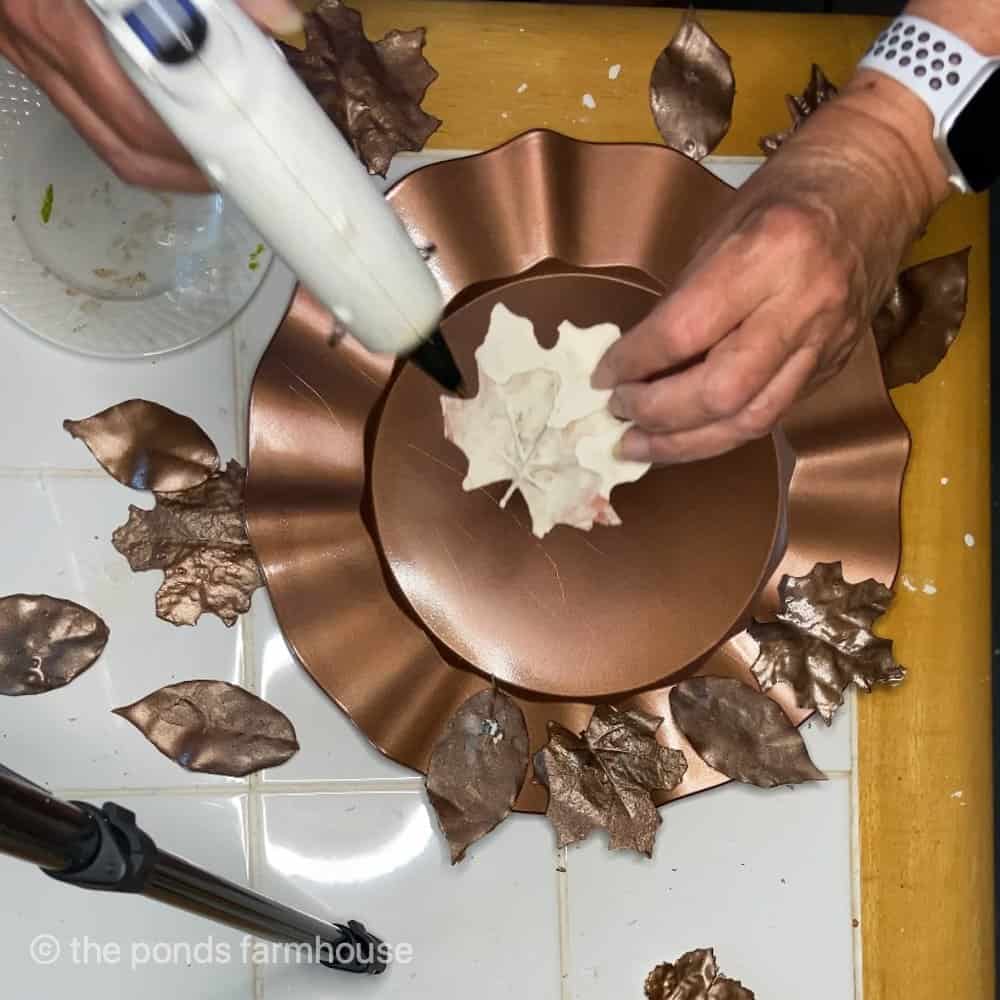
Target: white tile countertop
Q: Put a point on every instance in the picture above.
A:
(767, 878)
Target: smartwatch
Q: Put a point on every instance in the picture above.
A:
(959, 85)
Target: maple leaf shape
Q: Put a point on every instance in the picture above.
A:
(818, 91)
(604, 778)
(477, 768)
(694, 976)
(537, 422)
(371, 92)
(922, 316)
(199, 539)
(823, 639)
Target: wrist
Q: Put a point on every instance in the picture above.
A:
(900, 120)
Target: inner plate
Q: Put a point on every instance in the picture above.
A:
(106, 268)
(547, 616)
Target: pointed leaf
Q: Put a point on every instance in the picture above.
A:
(694, 976)
(604, 778)
(477, 768)
(537, 422)
(148, 447)
(199, 539)
(213, 727)
(372, 93)
(922, 317)
(691, 91)
(45, 643)
(818, 91)
(741, 732)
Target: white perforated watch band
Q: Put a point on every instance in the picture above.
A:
(938, 67)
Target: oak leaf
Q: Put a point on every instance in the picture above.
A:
(537, 422)
(741, 733)
(604, 778)
(213, 727)
(818, 91)
(371, 92)
(823, 639)
(691, 91)
(198, 539)
(477, 768)
(694, 976)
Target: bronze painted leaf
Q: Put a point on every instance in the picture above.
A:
(148, 447)
(694, 976)
(922, 317)
(604, 778)
(691, 91)
(199, 539)
(45, 643)
(823, 639)
(741, 732)
(818, 91)
(477, 768)
(214, 727)
(371, 92)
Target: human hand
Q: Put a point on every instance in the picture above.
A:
(60, 45)
(783, 286)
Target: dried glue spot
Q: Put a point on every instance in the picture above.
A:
(970, 540)
(522, 88)
(589, 102)
(615, 71)
(930, 589)
(908, 583)
(945, 480)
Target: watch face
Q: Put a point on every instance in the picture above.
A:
(974, 140)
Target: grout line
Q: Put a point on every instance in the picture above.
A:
(255, 848)
(855, 814)
(55, 472)
(562, 897)
(240, 418)
(333, 786)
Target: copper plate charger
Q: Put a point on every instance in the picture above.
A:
(401, 594)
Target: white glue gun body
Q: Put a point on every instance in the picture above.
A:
(228, 94)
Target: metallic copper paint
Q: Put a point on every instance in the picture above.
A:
(489, 217)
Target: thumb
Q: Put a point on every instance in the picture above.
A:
(279, 17)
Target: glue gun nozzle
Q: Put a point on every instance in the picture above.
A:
(434, 358)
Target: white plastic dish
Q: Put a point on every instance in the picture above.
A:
(115, 271)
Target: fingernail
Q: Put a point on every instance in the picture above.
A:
(633, 447)
(601, 379)
(617, 406)
(279, 16)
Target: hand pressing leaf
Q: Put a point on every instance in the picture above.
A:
(691, 91)
(823, 639)
(741, 732)
(694, 976)
(148, 447)
(604, 778)
(199, 539)
(372, 93)
(477, 768)
(213, 727)
(922, 317)
(45, 643)
(537, 422)
(817, 92)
